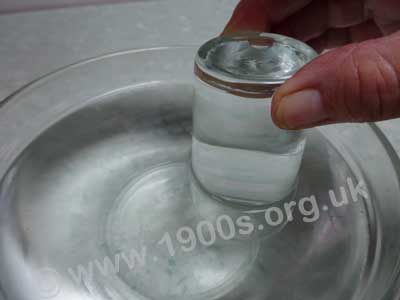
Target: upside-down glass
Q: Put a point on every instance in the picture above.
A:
(238, 153)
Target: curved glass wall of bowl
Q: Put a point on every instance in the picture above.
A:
(238, 154)
(96, 199)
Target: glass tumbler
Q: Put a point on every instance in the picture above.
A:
(238, 154)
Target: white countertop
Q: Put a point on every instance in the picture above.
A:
(33, 44)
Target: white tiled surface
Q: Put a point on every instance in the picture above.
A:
(33, 44)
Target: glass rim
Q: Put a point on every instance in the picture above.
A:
(247, 85)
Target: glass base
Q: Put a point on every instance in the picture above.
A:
(253, 217)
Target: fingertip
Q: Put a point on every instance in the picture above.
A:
(248, 16)
(276, 112)
(230, 29)
(302, 109)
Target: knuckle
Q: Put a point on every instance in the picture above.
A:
(346, 94)
(374, 86)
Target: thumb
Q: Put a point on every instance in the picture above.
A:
(355, 83)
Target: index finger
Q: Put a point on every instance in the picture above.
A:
(259, 15)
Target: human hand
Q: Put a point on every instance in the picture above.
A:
(358, 82)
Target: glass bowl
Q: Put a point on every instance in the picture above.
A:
(95, 199)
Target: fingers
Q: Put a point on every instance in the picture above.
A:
(356, 83)
(258, 15)
(344, 13)
(319, 16)
(332, 38)
(386, 13)
(336, 37)
(306, 24)
(249, 15)
(365, 31)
